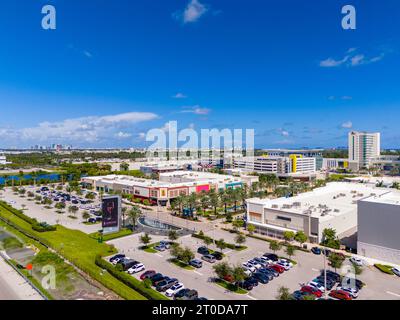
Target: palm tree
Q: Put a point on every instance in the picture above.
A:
(20, 177)
(240, 239)
(224, 198)
(192, 201)
(204, 202)
(145, 239)
(134, 214)
(180, 200)
(283, 294)
(123, 211)
(172, 235)
(214, 200)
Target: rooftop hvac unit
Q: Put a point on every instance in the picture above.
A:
(336, 210)
(275, 206)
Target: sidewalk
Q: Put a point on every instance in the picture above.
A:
(13, 286)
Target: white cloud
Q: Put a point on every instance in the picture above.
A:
(196, 110)
(351, 59)
(347, 125)
(85, 129)
(123, 135)
(179, 95)
(87, 54)
(192, 13)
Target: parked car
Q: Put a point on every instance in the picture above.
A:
(271, 256)
(136, 268)
(262, 262)
(190, 295)
(127, 263)
(148, 274)
(174, 289)
(247, 285)
(357, 261)
(267, 273)
(157, 282)
(116, 258)
(247, 272)
(340, 294)
(253, 280)
(317, 285)
(196, 263)
(326, 252)
(348, 281)
(255, 264)
(156, 277)
(165, 243)
(316, 250)
(166, 284)
(229, 278)
(285, 263)
(160, 247)
(273, 272)
(396, 271)
(299, 295)
(203, 250)
(329, 282)
(278, 268)
(333, 275)
(353, 292)
(249, 267)
(209, 258)
(217, 255)
(180, 293)
(261, 277)
(312, 290)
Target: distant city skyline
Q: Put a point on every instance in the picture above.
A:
(287, 70)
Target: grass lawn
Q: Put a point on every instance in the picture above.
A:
(150, 248)
(111, 236)
(230, 287)
(80, 249)
(181, 264)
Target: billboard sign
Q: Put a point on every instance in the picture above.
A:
(111, 208)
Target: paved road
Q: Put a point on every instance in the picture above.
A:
(13, 286)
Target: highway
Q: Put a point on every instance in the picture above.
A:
(13, 286)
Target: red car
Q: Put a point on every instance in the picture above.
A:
(229, 278)
(312, 290)
(340, 294)
(147, 274)
(277, 268)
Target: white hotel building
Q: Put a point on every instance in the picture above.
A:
(364, 147)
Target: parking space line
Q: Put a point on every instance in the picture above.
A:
(313, 269)
(393, 294)
(198, 272)
(160, 255)
(252, 298)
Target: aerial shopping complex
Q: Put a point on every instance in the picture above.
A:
(227, 153)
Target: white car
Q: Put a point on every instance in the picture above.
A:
(285, 264)
(316, 285)
(396, 271)
(352, 291)
(357, 261)
(254, 264)
(249, 267)
(247, 272)
(174, 289)
(266, 260)
(136, 268)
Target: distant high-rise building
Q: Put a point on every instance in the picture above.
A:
(364, 147)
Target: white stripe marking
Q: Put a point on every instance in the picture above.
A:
(198, 272)
(157, 254)
(393, 294)
(313, 269)
(252, 298)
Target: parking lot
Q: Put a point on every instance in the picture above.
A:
(379, 286)
(42, 214)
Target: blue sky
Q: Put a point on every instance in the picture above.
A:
(112, 70)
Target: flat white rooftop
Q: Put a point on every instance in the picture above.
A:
(335, 199)
(391, 197)
(200, 175)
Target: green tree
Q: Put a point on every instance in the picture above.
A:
(237, 224)
(275, 246)
(214, 200)
(238, 274)
(329, 238)
(335, 261)
(133, 215)
(207, 241)
(290, 250)
(85, 215)
(220, 244)
(222, 269)
(288, 236)
(300, 237)
(145, 239)
(283, 294)
(172, 235)
(124, 166)
(204, 202)
(187, 255)
(240, 239)
(251, 228)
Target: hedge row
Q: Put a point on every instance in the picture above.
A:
(129, 280)
(228, 245)
(282, 242)
(39, 227)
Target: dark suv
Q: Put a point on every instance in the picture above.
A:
(203, 250)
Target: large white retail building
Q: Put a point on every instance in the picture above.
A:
(333, 206)
(379, 227)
